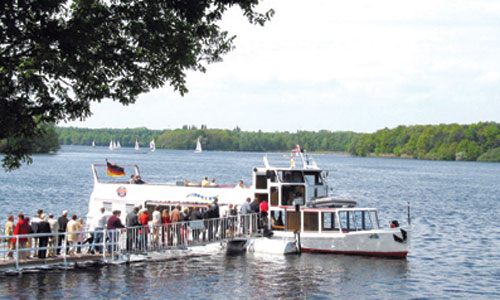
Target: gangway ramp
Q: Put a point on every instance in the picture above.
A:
(22, 252)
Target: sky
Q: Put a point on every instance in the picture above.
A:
(359, 66)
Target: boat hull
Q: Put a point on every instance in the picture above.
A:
(382, 243)
(273, 245)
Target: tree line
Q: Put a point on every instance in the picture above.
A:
(473, 142)
(211, 139)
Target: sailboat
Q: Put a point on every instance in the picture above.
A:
(118, 146)
(136, 147)
(198, 147)
(152, 145)
(111, 145)
(93, 143)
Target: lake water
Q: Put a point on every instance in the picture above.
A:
(455, 244)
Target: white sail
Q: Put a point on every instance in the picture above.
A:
(93, 143)
(198, 146)
(111, 145)
(152, 145)
(118, 146)
(136, 145)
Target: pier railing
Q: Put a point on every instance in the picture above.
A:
(60, 247)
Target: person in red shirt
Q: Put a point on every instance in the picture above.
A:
(22, 227)
(165, 233)
(143, 233)
(264, 208)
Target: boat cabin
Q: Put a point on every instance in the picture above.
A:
(323, 220)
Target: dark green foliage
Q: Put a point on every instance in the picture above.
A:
(59, 56)
(102, 137)
(492, 155)
(45, 140)
(437, 142)
(211, 139)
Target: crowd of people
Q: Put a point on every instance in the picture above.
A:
(139, 224)
(45, 226)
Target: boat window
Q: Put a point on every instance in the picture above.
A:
(260, 197)
(352, 222)
(313, 178)
(277, 220)
(291, 176)
(359, 220)
(272, 176)
(367, 222)
(261, 182)
(311, 222)
(329, 222)
(289, 193)
(292, 221)
(347, 221)
(274, 196)
(374, 220)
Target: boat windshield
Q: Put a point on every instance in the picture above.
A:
(356, 220)
(291, 176)
(313, 178)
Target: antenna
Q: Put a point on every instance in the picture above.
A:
(409, 216)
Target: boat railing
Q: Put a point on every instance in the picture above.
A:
(122, 242)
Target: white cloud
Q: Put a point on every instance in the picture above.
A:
(340, 65)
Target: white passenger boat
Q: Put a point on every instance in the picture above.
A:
(299, 206)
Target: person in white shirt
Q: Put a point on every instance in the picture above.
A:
(100, 224)
(156, 224)
(240, 185)
(53, 240)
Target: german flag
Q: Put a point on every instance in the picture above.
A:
(114, 170)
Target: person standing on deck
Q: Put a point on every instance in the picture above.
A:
(245, 210)
(43, 227)
(131, 221)
(205, 182)
(240, 185)
(71, 228)
(254, 206)
(100, 225)
(264, 208)
(63, 222)
(54, 228)
(156, 225)
(176, 217)
(34, 227)
(22, 227)
(216, 214)
(9, 231)
(114, 222)
(144, 230)
(195, 216)
(165, 220)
